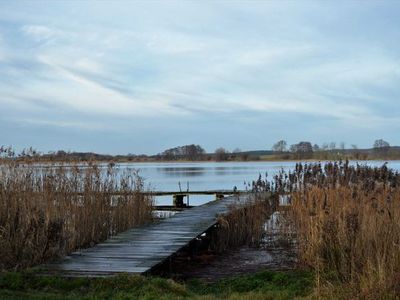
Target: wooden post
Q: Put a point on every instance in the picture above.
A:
(178, 200)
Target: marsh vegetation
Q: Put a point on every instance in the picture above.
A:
(49, 211)
(346, 222)
(349, 229)
(343, 220)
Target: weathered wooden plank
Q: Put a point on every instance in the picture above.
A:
(138, 250)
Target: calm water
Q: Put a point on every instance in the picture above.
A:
(212, 175)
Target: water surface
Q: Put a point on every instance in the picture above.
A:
(163, 176)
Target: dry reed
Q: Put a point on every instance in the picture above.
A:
(244, 224)
(48, 211)
(344, 219)
(351, 235)
(347, 222)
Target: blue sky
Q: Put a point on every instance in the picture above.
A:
(140, 77)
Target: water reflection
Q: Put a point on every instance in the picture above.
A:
(220, 171)
(202, 176)
(182, 171)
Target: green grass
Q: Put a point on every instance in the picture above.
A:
(263, 285)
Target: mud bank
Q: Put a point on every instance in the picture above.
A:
(274, 254)
(244, 260)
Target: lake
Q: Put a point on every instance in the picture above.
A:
(166, 176)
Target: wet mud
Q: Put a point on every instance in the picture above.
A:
(210, 266)
(245, 260)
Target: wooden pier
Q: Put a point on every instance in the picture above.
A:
(178, 196)
(171, 193)
(139, 250)
(210, 192)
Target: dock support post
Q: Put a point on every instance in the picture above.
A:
(219, 196)
(178, 200)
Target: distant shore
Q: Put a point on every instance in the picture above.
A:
(112, 161)
(185, 155)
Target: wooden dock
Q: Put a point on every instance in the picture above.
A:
(209, 192)
(139, 250)
(171, 193)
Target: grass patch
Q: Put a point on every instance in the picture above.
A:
(266, 284)
(262, 285)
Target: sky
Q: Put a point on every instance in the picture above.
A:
(140, 77)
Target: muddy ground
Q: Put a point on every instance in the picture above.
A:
(212, 266)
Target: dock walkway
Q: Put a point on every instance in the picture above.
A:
(139, 250)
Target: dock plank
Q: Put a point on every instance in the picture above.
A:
(139, 250)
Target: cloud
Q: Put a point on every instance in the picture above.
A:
(172, 43)
(86, 125)
(190, 62)
(89, 96)
(268, 55)
(215, 81)
(2, 50)
(38, 32)
(89, 65)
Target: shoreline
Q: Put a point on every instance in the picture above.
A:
(72, 163)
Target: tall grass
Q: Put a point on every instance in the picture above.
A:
(243, 224)
(48, 211)
(351, 235)
(347, 222)
(344, 219)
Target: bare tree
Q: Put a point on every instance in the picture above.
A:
(280, 146)
(302, 149)
(191, 152)
(221, 154)
(381, 146)
(356, 152)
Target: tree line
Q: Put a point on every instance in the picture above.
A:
(281, 150)
(197, 153)
(306, 150)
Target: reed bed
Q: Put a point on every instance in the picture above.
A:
(344, 220)
(48, 211)
(347, 222)
(244, 223)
